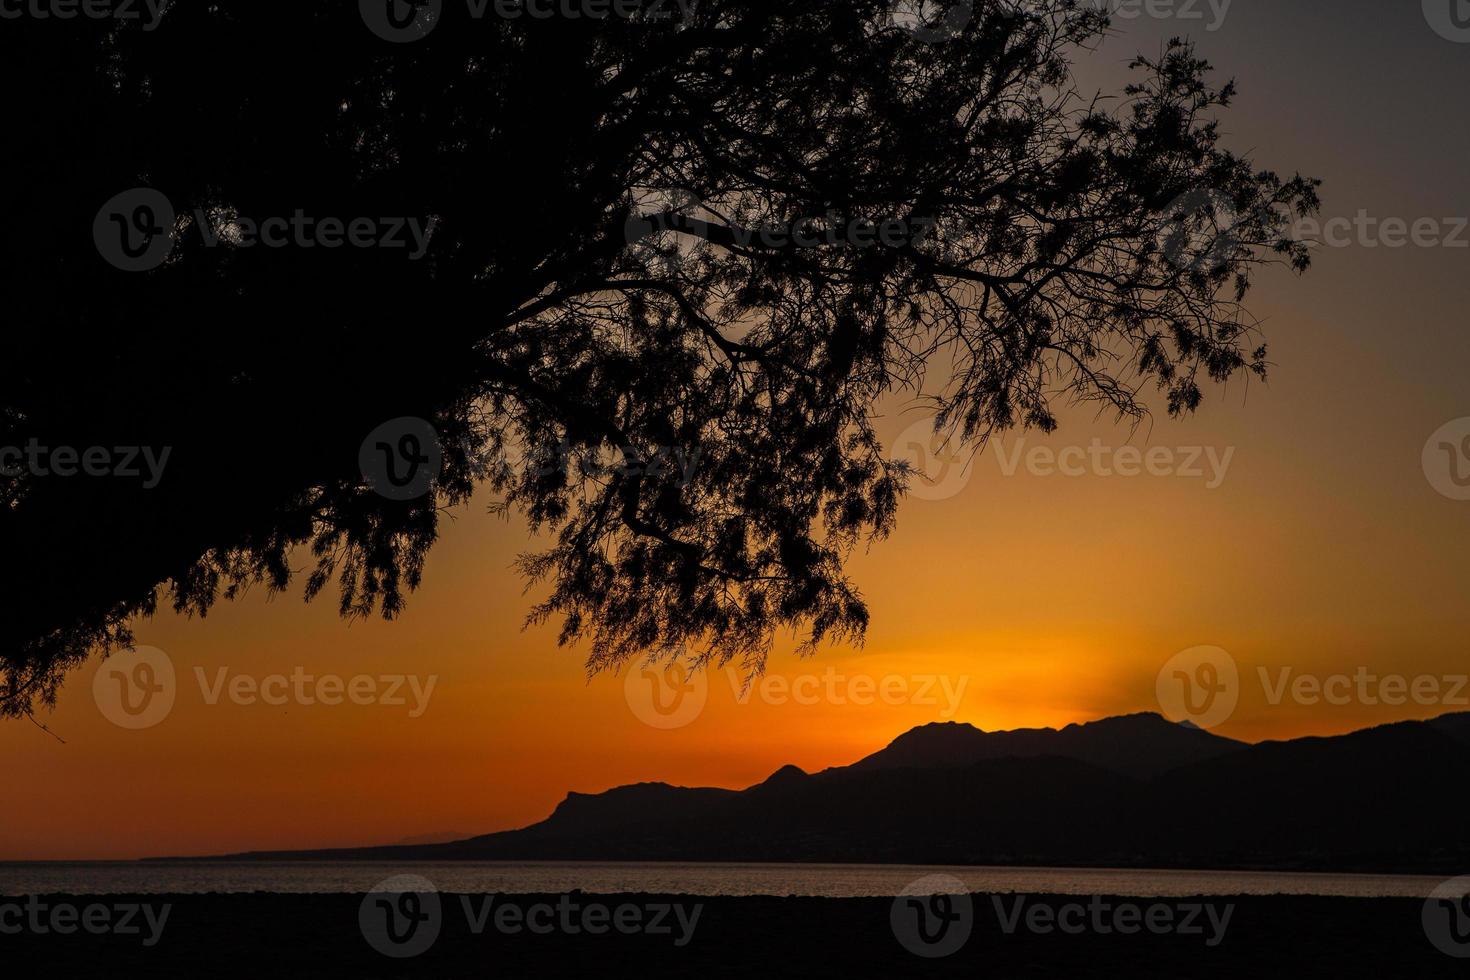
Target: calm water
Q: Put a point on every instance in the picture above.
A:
(551, 877)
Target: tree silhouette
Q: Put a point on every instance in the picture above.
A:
(727, 231)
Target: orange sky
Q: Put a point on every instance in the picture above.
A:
(1049, 598)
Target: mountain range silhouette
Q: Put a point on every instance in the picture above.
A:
(1130, 791)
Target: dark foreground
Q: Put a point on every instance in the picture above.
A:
(326, 936)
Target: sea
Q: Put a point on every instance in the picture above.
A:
(711, 879)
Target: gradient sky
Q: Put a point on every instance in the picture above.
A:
(1052, 599)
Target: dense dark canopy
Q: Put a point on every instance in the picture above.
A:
(635, 234)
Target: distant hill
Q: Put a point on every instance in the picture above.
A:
(442, 837)
(1142, 745)
(1134, 791)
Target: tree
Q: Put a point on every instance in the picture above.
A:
(731, 231)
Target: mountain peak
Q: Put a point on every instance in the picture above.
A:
(940, 727)
(1143, 745)
(1138, 719)
(785, 776)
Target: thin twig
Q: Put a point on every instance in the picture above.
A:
(44, 728)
